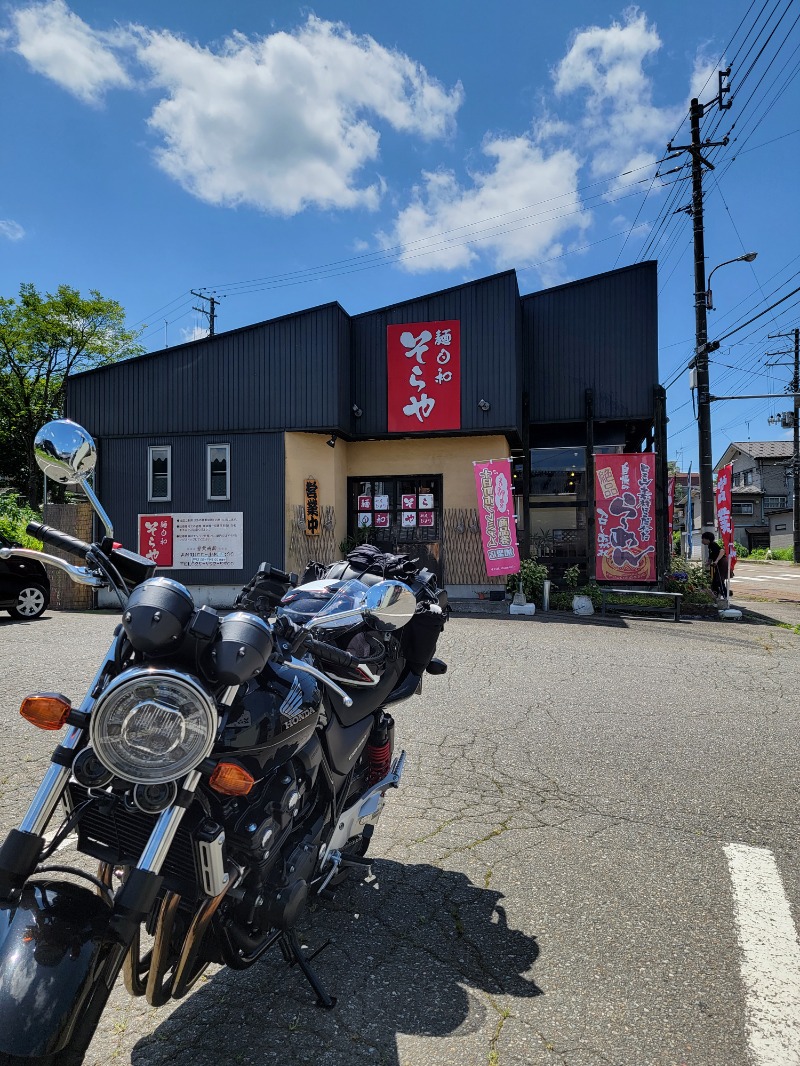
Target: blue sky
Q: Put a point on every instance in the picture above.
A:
(284, 156)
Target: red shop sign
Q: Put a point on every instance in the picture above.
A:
(424, 365)
(155, 538)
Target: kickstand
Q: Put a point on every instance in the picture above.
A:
(293, 953)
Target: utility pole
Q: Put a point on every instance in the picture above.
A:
(212, 304)
(795, 387)
(702, 347)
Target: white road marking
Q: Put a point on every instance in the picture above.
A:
(772, 577)
(770, 956)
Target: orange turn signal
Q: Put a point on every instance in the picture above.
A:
(46, 710)
(231, 779)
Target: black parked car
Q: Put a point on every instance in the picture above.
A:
(24, 585)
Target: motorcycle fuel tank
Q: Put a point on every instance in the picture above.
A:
(275, 717)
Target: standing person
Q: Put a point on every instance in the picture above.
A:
(717, 564)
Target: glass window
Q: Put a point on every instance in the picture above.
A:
(218, 471)
(741, 508)
(392, 511)
(737, 480)
(748, 477)
(775, 503)
(159, 473)
(558, 472)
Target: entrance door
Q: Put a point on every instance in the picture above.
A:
(400, 515)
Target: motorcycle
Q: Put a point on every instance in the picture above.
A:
(222, 769)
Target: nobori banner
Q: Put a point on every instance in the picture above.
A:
(723, 500)
(496, 515)
(424, 375)
(625, 517)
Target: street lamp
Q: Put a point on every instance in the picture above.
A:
(702, 303)
(748, 257)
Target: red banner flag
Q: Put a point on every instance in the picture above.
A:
(624, 516)
(424, 367)
(496, 515)
(671, 503)
(724, 519)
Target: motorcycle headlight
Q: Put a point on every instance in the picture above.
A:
(152, 726)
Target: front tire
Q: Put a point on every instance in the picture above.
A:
(31, 604)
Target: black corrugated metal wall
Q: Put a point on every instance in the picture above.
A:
(599, 334)
(284, 374)
(257, 490)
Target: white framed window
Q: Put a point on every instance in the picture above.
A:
(159, 473)
(775, 503)
(218, 471)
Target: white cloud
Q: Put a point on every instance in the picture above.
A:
(58, 44)
(289, 120)
(280, 122)
(193, 333)
(621, 129)
(11, 230)
(534, 181)
(704, 76)
(447, 226)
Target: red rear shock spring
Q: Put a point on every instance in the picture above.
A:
(380, 759)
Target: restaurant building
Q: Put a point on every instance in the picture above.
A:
(292, 438)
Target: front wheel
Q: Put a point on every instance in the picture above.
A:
(31, 603)
(59, 959)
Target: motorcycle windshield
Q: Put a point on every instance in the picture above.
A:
(350, 596)
(311, 603)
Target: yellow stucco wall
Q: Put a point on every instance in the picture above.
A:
(307, 454)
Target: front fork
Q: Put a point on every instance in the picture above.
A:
(21, 851)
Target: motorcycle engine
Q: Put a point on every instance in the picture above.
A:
(260, 826)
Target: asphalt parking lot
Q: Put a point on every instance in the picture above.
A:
(556, 880)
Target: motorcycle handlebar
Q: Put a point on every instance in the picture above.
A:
(329, 653)
(58, 539)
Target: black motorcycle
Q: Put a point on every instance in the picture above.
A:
(222, 769)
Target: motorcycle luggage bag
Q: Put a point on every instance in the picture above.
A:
(420, 636)
(264, 590)
(370, 565)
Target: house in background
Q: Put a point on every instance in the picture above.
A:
(761, 492)
(681, 493)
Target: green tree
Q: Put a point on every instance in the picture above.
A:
(44, 339)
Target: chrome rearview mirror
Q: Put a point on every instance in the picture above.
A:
(389, 605)
(66, 454)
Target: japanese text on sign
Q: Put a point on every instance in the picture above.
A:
(724, 518)
(155, 538)
(311, 499)
(193, 541)
(424, 376)
(625, 538)
(496, 515)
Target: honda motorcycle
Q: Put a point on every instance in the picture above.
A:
(223, 770)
